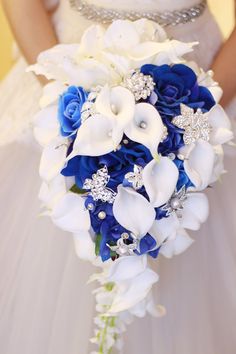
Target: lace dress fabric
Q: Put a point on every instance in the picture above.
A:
(45, 305)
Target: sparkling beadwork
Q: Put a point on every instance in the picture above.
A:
(195, 124)
(135, 177)
(176, 202)
(102, 215)
(97, 186)
(166, 18)
(165, 134)
(139, 84)
(125, 249)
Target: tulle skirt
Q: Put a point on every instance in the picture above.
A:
(46, 307)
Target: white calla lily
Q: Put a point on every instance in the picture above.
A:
(132, 291)
(133, 211)
(149, 30)
(84, 246)
(118, 104)
(127, 267)
(50, 193)
(199, 163)
(70, 214)
(146, 127)
(178, 245)
(91, 43)
(195, 211)
(46, 127)
(53, 159)
(120, 36)
(160, 179)
(165, 228)
(221, 132)
(51, 92)
(94, 137)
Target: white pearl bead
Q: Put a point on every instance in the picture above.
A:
(175, 203)
(102, 215)
(143, 125)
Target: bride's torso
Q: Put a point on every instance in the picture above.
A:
(70, 24)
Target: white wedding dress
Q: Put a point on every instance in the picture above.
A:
(45, 305)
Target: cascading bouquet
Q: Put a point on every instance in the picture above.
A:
(131, 134)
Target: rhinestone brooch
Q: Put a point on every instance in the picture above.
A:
(196, 125)
(139, 84)
(124, 249)
(135, 177)
(176, 202)
(97, 186)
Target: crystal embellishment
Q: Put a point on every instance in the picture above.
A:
(139, 84)
(165, 18)
(195, 124)
(97, 186)
(122, 248)
(135, 177)
(176, 202)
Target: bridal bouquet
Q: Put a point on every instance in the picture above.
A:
(132, 135)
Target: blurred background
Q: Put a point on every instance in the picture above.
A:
(223, 10)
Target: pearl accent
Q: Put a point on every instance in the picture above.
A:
(166, 18)
(102, 215)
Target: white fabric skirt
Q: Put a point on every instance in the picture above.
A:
(46, 306)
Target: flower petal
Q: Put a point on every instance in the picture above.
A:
(131, 292)
(146, 128)
(116, 103)
(127, 267)
(133, 211)
(176, 246)
(160, 179)
(84, 246)
(70, 214)
(94, 137)
(221, 127)
(165, 228)
(53, 159)
(199, 163)
(46, 125)
(195, 212)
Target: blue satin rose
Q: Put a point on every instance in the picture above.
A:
(69, 110)
(174, 85)
(118, 163)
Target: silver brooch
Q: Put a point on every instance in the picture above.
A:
(135, 177)
(139, 84)
(196, 125)
(124, 249)
(176, 202)
(97, 186)
(88, 109)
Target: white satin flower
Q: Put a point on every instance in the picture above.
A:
(132, 291)
(146, 127)
(218, 168)
(94, 137)
(221, 132)
(53, 159)
(127, 267)
(46, 125)
(51, 92)
(133, 211)
(70, 214)
(165, 229)
(118, 104)
(147, 305)
(195, 212)
(160, 179)
(199, 163)
(84, 246)
(178, 245)
(91, 43)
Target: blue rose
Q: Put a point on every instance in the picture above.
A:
(174, 85)
(69, 110)
(118, 163)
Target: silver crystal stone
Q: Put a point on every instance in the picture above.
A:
(97, 186)
(176, 202)
(135, 177)
(139, 84)
(195, 124)
(123, 249)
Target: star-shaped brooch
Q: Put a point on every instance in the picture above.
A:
(135, 177)
(176, 202)
(195, 124)
(97, 186)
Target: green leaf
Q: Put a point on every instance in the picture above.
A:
(77, 190)
(97, 244)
